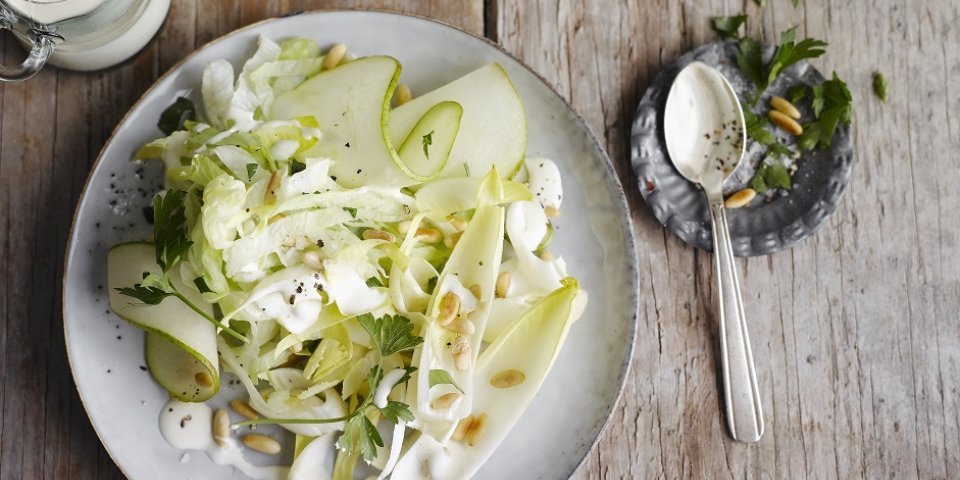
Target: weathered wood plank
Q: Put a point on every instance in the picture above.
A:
(51, 129)
(855, 331)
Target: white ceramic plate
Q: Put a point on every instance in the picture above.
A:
(567, 415)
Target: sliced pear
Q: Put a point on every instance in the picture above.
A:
(351, 103)
(186, 375)
(181, 346)
(493, 130)
(431, 138)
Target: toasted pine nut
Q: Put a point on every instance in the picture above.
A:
(451, 240)
(374, 234)
(262, 443)
(404, 94)
(740, 199)
(461, 352)
(551, 211)
(429, 235)
(203, 379)
(477, 427)
(546, 256)
(503, 284)
(312, 260)
(444, 401)
(786, 123)
(244, 409)
(449, 308)
(334, 56)
(403, 227)
(296, 347)
(476, 291)
(457, 222)
(784, 106)
(462, 325)
(221, 427)
(507, 378)
(462, 427)
(270, 195)
(461, 360)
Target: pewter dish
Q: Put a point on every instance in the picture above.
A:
(566, 417)
(765, 227)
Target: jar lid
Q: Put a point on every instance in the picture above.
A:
(47, 12)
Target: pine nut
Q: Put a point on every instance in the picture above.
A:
(334, 56)
(270, 195)
(203, 379)
(784, 106)
(312, 259)
(740, 199)
(296, 347)
(404, 94)
(477, 427)
(444, 402)
(507, 378)
(476, 291)
(503, 284)
(403, 227)
(551, 211)
(786, 123)
(462, 427)
(451, 240)
(244, 409)
(429, 235)
(449, 308)
(457, 222)
(546, 256)
(221, 427)
(262, 443)
(461, 352)
(462, 325)
(374, 234)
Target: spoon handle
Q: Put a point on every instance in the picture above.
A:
(744, 415)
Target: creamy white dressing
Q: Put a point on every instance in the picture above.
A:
(527, 224)
(294, 302)
(543, 178)
(188, 426)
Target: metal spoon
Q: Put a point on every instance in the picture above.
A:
(704, 132)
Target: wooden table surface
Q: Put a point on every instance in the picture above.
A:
(856, 331)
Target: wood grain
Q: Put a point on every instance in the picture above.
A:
(856, 331)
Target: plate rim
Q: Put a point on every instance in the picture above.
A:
(618, 192)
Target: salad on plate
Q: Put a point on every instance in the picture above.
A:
(377, 277)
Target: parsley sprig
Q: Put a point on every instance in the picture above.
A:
(171, 244)
(390, 333)
(788, 52)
